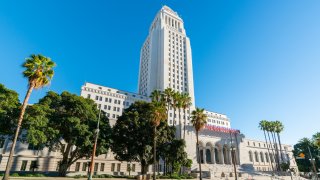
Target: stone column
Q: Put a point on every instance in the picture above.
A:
(222, 156)
(213, 157)
(204, 155)
(230, 156)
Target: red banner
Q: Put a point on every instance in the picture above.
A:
(221, 129)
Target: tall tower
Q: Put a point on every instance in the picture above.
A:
(165, 57)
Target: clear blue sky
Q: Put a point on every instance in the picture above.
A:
(252, 59)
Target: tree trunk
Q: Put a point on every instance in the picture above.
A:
(197, 134)
(185, 123)
(276, 149)
(154, 152)
(63, 168)
(144, 167)
(180, 124)
(282, 158)
(272, 149)
(23, 109)
(265, 137)
(174, 118)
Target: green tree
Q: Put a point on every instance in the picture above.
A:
(269, 129)
(168, 98)
(263, 127)
(9, 111)
(316, 140)
(186, 103)
(198, 120)
(39, 72)
(158, 114)
(302, 146)
(179, 106)
(174, 105)
(66, 122)
(131, 138)
(278, 129)
(176, 155)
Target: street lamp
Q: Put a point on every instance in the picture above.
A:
(94, 147)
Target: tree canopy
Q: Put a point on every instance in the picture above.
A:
(133, 135)
(9, 110)
(303, 146)
(67, 122)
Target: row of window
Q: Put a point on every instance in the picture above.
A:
(85, 166)
(218, 122)
(264, 145)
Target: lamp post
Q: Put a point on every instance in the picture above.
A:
(94, 147)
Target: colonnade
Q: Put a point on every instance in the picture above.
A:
(218, 154)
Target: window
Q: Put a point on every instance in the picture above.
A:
(250, 156)
(113, 116)
(77, 167)
(109, 107)
(106, 100)
(110, 100)
(84, 166)
(97, 97)
(100, 98)
(256, 156)
(102, 167)
(88, 96)
(114, 108)
(34, 165)
(23, 165)
(118, 167)
(96, 167)
(261, 157)
(113, 166)
(105, 106)
(2, 142)
(128, 168)
(133, 168)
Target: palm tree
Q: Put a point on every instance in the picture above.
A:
(179, 106)
(278, 129)
(263, 126)
(268, 129)
(272, 130)
(158, 114)
(156, 95)
(199, 120)
(39, 72)
(186, 102)
(168, 97)
(168, 92)
(174, 104)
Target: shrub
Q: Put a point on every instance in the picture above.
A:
(15, 175)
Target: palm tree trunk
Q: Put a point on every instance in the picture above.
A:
(197, 134)
(265, 137)
(185, 122)
(154, 152)
(272, 150)
(276, 150)
(23, 109)
(282, 158)
(180, 124)
(174, 114)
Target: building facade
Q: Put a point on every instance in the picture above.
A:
(165, 62)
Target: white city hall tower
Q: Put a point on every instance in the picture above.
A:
(165, 59)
